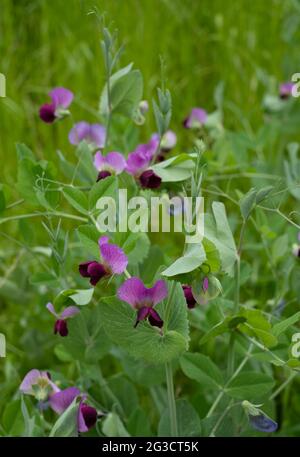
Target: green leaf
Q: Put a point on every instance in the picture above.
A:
(188, 421)
(282, 326)
(247, 203)
(250, 385)
(258, 326)
(103, 104)
(126, 93)
(201, 368)
(112, 426)
(29, 422)
(178, 168)
(280, 247)
(219, 232)
(77, 199)
(80, 297)
(263, 193)
(146, 342)
(104, 188)
(86, 340)
(66, 425)
(23, 152)
(189, 262)
(89, 236)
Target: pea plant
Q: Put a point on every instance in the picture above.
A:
(130, 331)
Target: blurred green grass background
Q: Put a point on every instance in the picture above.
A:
(246, 44)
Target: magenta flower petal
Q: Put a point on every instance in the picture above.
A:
(30, 380)
(70, 311)
(51, 309)
(113, 257)
(285, 89)
(168, 140)
(137, 162)
(154, 318)
(61, 400)
(158, 292)
(113, 162)
(132, 291)
(196, 118)
(116, 161)
(79, 132)
(61, 97)
(97, 135)
(149, 180)
(87, 417)
(103, 240)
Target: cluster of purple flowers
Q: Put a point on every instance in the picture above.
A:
(39, 384)
(138, 163)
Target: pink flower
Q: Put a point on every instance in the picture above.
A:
(38, 383)
(111, 164)
(93, 134)
(60, 325)
(87, 415)
(134, 292)
(61, 99)
(114, 261)
(195, 119)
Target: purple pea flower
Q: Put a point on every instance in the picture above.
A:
(61, 99)
(60, 325)
(87, 415)
(111, 164)
(93, 134)
(168, 140)
(134, 292)
(285, 90)
(38, 383)
(114, 261)
(138, 163)
(195, 119)
(190, 300)
(258, 419)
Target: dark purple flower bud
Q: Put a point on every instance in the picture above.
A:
(190, 300)
(89, 415)
(103, 174)
(47, 113)
(61, 327)
(93, 270)
(149, 180)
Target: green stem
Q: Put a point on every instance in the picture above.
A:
(55, 214)
(283, 385)
(171, 399)
(223, 391)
